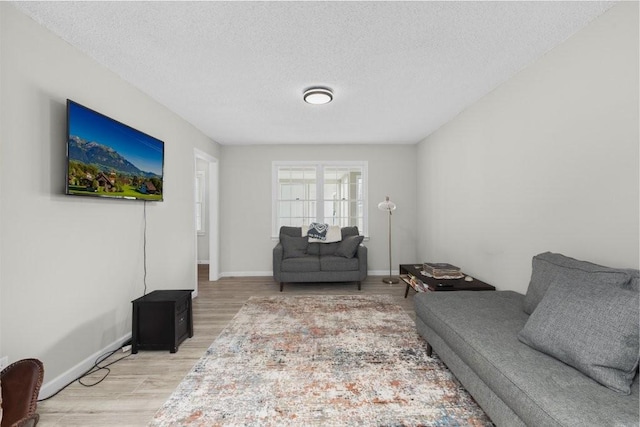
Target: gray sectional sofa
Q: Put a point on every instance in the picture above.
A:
(564, 354)
(295, 259)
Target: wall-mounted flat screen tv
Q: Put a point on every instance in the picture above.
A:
(106, 158)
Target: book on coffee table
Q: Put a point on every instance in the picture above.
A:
(441, 270)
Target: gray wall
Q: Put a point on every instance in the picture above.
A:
(72, 265)
(546, 162)
(245, 211)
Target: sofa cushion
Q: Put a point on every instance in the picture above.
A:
(549, 267)
(290, 231)
(590, 326)
(634, 283)
(293, 247)
(338, 263)
(308, 263)
(349, 246)
(349, 231)
(482, 327)
(314, 248)
(328, 248)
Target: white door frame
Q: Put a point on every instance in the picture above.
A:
(213, 213)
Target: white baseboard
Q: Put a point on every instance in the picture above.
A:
(203, 261)
(246, 273)
(382, 273)
(51, 387)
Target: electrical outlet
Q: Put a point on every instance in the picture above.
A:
(4, 361)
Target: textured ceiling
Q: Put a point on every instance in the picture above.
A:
(237, 70)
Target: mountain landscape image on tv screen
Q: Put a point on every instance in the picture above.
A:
(109, 159)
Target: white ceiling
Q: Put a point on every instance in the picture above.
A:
(237, 70)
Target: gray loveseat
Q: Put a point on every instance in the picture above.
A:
(580, 325)
(295, 259)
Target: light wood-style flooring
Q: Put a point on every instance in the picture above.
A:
(138, 385)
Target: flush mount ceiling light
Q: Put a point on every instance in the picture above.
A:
(318, 95)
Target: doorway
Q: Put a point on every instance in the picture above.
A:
(206, 216)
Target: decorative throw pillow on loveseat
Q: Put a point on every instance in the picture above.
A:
(549, 267)
(349, 246)
(293, 247)
(322, 233)
(590, 326)
(317, 231)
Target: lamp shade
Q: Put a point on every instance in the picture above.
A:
(387, 205)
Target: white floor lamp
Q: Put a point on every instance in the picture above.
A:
(388, 206)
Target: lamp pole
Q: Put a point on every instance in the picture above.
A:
(388, 206)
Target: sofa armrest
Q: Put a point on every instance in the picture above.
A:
(278, 253)
(361, 254)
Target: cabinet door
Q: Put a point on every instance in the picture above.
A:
(155, 325)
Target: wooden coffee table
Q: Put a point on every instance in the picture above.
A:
(438, 285)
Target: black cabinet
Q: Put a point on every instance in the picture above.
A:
(161, 320)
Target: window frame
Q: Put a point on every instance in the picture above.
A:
(319, 191)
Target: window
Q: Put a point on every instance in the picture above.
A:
(200, 202)
(327, 192)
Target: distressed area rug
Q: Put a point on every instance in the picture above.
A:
(320, 360)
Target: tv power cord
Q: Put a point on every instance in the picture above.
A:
(96, 368)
